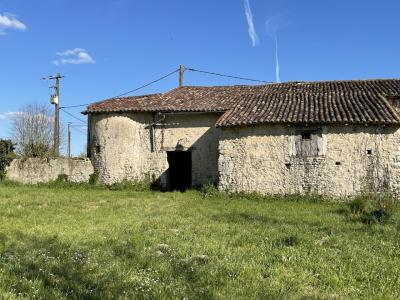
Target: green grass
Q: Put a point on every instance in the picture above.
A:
(71, 241)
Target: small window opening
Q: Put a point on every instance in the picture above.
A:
(307, 142)
(306, 136)
(338, 163)
(369, 152)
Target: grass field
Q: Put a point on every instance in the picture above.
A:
(94, 243)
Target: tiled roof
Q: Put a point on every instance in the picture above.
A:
(334, 102)
(188, 98)
(125, 104)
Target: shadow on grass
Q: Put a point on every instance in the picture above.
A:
(259, 219)
(48, 268)
(199, 284)
(242, 217)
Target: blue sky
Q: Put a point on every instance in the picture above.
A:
(110, 46)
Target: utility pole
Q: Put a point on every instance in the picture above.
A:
(55, 99)
(181, 70)
(69, 141)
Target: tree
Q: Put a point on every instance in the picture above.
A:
(6, 155)
(32, 131)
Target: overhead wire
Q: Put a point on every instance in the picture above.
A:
(228, 76)
(79, 130)
(128, 92)
(169, 74)
(71, 115)
(63, 108)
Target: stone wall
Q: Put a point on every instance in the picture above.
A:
(36, 170)
(350, 159)
(126, 146)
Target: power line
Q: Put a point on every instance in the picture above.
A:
(77, 124)
(76, 118)
(224, 75)
(181, 69)
(128, 92)
(79, 130)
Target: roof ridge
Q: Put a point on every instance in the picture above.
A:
(300, 82)
(135, 96)
(283, 93)
(335, 81)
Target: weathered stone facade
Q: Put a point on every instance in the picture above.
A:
(37, 170)
(259, 158)
(134, 146)
(194, 135)
(350, 159)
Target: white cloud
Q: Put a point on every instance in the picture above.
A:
(9, 21)
(249, 16)
(7, 115)
(75, 56)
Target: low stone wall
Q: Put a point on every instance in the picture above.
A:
(38, 170)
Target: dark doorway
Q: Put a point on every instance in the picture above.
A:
(180, 170)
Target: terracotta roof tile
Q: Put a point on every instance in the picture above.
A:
(180, 99)
(334, 102)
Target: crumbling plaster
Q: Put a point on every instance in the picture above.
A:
(121, 145)
(259, 158)
(262, 159)
(38, 170)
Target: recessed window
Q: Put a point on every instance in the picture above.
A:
(338, 163)
(306, 136)
(307, 142)
(369, 152)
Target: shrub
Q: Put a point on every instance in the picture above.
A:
(359, 204)
(373, 207)
(139, 186)
(62, 178)
(94, 178)
(209, 190)
(6, 156)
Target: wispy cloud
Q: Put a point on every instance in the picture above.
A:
(7, 115)
(10, 21)
(277, 68)
(252, 30)
(75, 56)
(272, 30)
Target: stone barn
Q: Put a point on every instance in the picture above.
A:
(334, 138)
